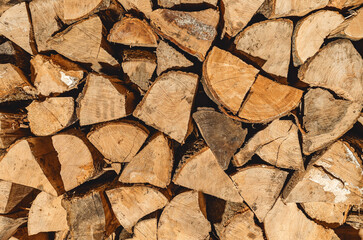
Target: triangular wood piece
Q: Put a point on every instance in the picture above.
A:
(168, 103)
(169, 58)
(103, 99)
(340, 4)
(12, 127)
(8, 226)
(228, 78)
(145, 230)
(144, 6)
(132, 203)
(118, 141)
(286, 222)
(268, 100)
(332, 213)
(172, 3)
(15, 25)
(175, 220)
(336, 61)
(222, 134)
(192, 174)
(326, 119)
(47, 215)
(269, 42)
(305, 41)
(351, 28)
(133, 32)
(75, 10)
(153, 164)
(193, 32)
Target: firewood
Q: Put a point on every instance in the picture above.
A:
(153, 164)
(169, 58)
(268, 100)
(222, 134)
(336, 61)
(350, 28)
(340, 4)
(8, 226)
(139, 65)
(193, 32)
(175, 220)
(14, 86)
(22, 234)
(51, 116)
(133, 32)
(75, 10)
(167, 105)
(12, 128)
(47, 215)
(12, 53)
(192, 174)
(270, 43)
(54, 74)
(280, 136)
(15, 25)
(326, 212)
(228, 78)
(286, 221)
(305, 41)
(103, 99)
(132, 203)
(260, 187)
(237, 14)
(118, 141)
(11, 195)
(172, 3)
(144, 6)
(145, 230)
(326, 119)
(62, 235)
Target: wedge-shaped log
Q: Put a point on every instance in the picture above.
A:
(172, 3)
(340, 4)
(144, 6)
(145, 230)
(332, 213)
(351, 28)
(75, 10)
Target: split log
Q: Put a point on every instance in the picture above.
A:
(222, 134)
(75, 10)
(280, 137)
(8, 226)
(153, 164)
(286, 221)
(269, 42)
(51, 116)
(145, 230)
(168, 103)
(118, 141)
(22, 234)
(193, 32)
(14, 86)
(169, 58)
(133, 32)
(183, 218)
(103, 99)
(139, 65)
(15, 25)
(12, 127)
(47, 215)
(326, 119)
(192, 174)
(62, 235)
(54, 75)
(355, 218)
(330, 213)
(144, 6)
(237, 14)
(6, 4)
(338, 67)
(351, 28)
(305, 41)
(268, 100)
(130, 204)
(260, 186)
(173, 3)
(340, 4)
(227, 78)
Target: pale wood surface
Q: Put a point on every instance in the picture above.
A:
(145, 230)
(351, 28)
(74, 9)
(344, 3)
(144, 6)
(326, 212)
(172, 3)
(11, 194)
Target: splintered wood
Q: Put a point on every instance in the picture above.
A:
(181, 120)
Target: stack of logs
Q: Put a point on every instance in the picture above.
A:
(181, 119)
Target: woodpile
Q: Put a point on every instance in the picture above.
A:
(181, 120)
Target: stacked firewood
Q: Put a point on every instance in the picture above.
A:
(181, 119)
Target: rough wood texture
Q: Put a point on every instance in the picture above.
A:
(222, 134)
(193, 32)
(277, 144)
(132, 203)
(310, 32)
(168, 103)
(351, 28)
(326, 212)
(172, 3)
(326, 119)
(54, 75)
(228, 78)
(12, 128)
(340, 4)
(153, 164)
(144, 6)
(237, 14)
(169, 58)
(51, 116)
(103, 99)
(268, 100)
(119, 141)
(145, 230)
(75, 10)
(47, 215)
(8, 226)
(270, 41)
(183, 219)
(260, 187)
(192, 174)
(11, 195)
